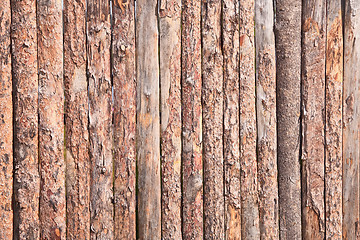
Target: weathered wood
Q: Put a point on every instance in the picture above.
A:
(148, 120)
(170, 80)
(288, 63)
(76, 121)
(212, 99)
(25, 79)
(351, 121)
(123, 71)
(6, 124)
(333, 117)
(266, 119)
(100, 119)
(312, 118)
(192, 163)
(231, 52)
(248, 134)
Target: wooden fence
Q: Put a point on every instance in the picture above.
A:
(179, 119)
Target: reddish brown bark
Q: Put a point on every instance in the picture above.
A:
(76, 121)
(192, 165)
(25, 79)
(123, 70)
(6, 124)
(170, 76)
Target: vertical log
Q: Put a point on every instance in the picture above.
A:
(212, 99)
(123, 70)
(76, 121)
(25, 79)
(100, 119)
(170, 77)
(313, 107)
(231, 51)
(266, 119)
(192, 164)
(351, 122)
(6, 124)
(333, 117)
(148, 119)
(248, 163)
(288, 62)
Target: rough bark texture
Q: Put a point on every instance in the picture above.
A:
(351, 122)
(288, 62)
(231, 51)
(170, 79)
(333, 117)
(248, 163)
(123, 70)
(313, 120)
(76, 121)
(192, 164)
(6, 124)
(100, 120)
(25, 79)
(212, 100)
(148, 119)
(266, 119)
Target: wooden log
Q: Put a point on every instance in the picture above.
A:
(312, 118)
(100, 119)
(288, 62)
(333, 118)
(351, 121)
(123, 71)
(231, 52)
(148, 120)
(266, 120)
(25, 79)
(248, 134)
(170, 80)
(6, 124)
(212, 99)
(76, 121)
(192, 163)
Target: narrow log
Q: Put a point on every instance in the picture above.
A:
(25, 80)
(148, 120)
(288, 62)
(231, 51)
(192, 163)
(76, 121)
(333, 117)
(170, 80)
(266, 120)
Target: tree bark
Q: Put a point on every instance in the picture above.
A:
(148, 119)
(123, 67)
(333, 117)
(288, 62)
(76, 121)
(231, 48)
(25, 79)
(192, 163)
(100, 120)
(6, 124)
(170, 79)
(266, 120)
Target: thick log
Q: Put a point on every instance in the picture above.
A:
(25, 80)
(266, 120)
(192, 163)
(76, 121)
(123, 71)
(170, 80)
(148, 120)
(288, 62)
